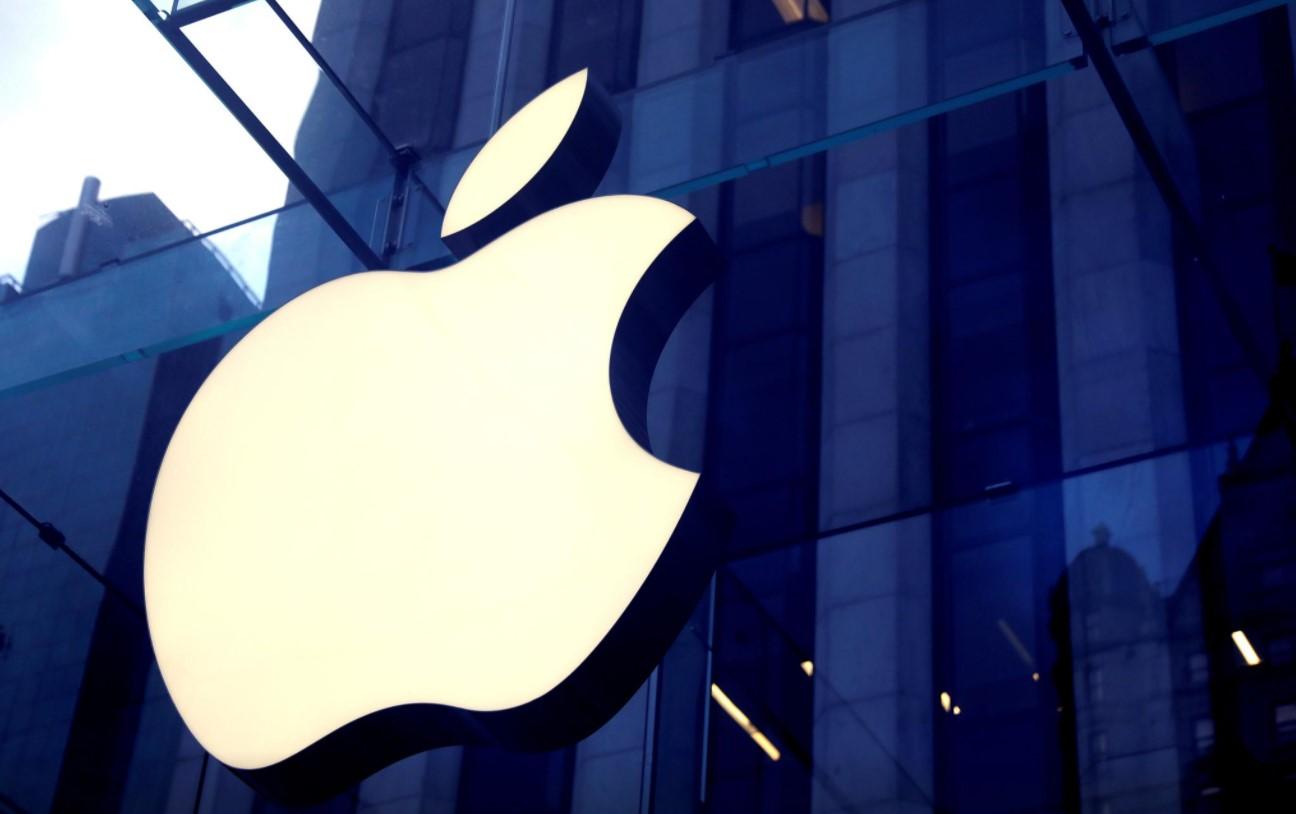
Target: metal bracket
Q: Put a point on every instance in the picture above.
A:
(393, 233)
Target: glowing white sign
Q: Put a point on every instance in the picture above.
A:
(417, 488)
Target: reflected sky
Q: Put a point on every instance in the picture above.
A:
(89, 88)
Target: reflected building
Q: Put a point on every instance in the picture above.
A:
(1235, 719)
(72, 668)
(969, 387)
(1162, 711)
(1121, 705)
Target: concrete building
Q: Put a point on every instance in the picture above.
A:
(968, 384)
(83, 451)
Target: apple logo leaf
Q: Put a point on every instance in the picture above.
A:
(410, 509)
(553, 151)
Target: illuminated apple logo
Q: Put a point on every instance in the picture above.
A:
(418, 509)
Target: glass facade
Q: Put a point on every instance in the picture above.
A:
(998, 385)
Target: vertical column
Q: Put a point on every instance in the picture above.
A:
(481, 63)
(526, 66)
(674, 38)
(1118, 356)
(614, 766)
(608, 777)
(421, 72)
(673, 132)
(872, 728)
(1120, 394)
(527, 71)
(525, 75)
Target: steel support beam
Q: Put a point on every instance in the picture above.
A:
(170, 29)
(1159, 168)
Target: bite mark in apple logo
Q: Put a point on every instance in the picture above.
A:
(418, 509)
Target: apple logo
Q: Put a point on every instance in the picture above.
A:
(418, 509)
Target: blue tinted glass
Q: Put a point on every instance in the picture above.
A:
(1004, 431)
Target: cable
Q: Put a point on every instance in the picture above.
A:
(55, 539)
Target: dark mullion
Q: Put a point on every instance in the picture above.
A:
(169, 28)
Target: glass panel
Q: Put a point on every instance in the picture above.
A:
(174, 295)
(103, 73)
(1164, 22)
(813, 743)
(303, 13)
(865, 73)
(980, 140)
(403, 62)
(596, 34)
(644, 162)
(1013, 639)
(753, 21)
(1012, 511)
(89, 439)
(1213, 98)
(254, 52)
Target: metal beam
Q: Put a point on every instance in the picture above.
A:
(1159, 168)
(297, 176)
(402, 158)
(333, 78)
(201, 11)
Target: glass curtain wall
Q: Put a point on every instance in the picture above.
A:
(997, 384)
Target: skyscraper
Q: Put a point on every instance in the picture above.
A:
(988, 386)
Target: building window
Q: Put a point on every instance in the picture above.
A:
(754, 21)
(1204, 735)
(602, 35)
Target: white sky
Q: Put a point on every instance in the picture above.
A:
(88, 87)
